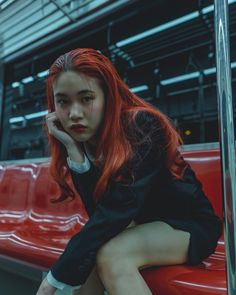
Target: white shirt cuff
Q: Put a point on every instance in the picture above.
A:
(55, 283)
(79, 167)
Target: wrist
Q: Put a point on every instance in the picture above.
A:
(79, 167)
(75, 154)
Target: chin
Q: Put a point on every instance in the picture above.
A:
(80, 139)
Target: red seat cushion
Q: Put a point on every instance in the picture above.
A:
(34, 230)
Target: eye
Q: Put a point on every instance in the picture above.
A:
(87, 99)
(61, 101)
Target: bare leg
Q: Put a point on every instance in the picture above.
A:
(119, 260)
(129, 281)
(93, 285)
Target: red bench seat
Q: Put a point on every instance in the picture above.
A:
(35, 231)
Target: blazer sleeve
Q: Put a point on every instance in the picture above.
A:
(112, 215)
(85, 183)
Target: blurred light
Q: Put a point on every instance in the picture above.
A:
(28, 117)
(36, 115)
(167, 25)
(180, 78)
(16, 119)
(42, 74)
(213, 70)
(209, 71)
(27, 80)
(15, 84)
(158, 29)
(191, 75)
(139, 88)
(208, 9)
(187, 132)
(233, 64)
(5, 4)
(211, 7)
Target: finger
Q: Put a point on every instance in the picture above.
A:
(51, 124)
(51, 115)
(56, 131)
(51, 121)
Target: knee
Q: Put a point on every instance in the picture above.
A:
(111, 261)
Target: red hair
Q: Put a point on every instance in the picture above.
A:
(113, 142)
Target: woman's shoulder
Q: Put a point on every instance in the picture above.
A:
(145, 118)
(146, 136)
(148, 154)
(147, 126)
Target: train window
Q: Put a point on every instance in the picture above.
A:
(166, 56)
(23, 120)
(189, 131)
(211, 131)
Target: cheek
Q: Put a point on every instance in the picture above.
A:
(96, 113)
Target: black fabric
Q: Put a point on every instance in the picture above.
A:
(85, 184)
(154, 194)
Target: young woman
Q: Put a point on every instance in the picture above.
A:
(145, 204)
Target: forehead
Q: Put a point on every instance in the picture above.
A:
(71, 82)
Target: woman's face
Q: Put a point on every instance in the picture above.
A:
(79, 99)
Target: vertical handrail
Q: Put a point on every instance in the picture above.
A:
(227, 142)
(1, 89)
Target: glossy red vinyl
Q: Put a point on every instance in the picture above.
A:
(35, 231)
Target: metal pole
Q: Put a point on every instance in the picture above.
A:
(201, 106)
(227, 142)
(1, 91)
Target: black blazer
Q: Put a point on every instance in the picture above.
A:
(154, 194)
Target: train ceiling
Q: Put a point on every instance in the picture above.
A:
(163, 37)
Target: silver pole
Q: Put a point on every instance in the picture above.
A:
(227, 142)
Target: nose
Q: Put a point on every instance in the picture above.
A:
(76, 112)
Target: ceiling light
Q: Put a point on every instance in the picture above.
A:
(139, 88)
(27, 80)
(158, 29)
(42, 74)
(167, 25)
(15, 84)
(16, 119)
(36, 115)
(180, 78)
(193, 75)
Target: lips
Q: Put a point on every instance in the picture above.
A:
(78, 126)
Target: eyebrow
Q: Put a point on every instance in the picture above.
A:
(78, 93)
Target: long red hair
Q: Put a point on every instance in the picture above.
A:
(113, 142)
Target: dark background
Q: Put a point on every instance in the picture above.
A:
(182, 49)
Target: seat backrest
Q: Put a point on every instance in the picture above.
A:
(45, 189)
(27, 189)
(15, 186)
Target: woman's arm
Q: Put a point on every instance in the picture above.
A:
(113, 214)
(84, 177)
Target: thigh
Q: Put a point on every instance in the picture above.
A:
(93, 284)
(155, 243)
